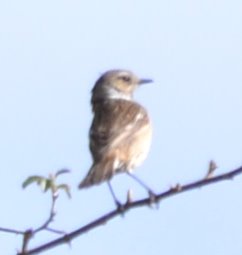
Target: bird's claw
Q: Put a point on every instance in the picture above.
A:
(120, 207)
(152, 197)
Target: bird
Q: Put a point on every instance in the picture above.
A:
(121, 131)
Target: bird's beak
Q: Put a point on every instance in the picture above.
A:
(144, 81)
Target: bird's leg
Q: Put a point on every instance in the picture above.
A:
(150, 191)
(118, 204)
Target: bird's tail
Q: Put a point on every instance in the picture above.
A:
(98, 173)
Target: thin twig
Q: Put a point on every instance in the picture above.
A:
(13, 231)
(131, 205)
(30, 233)
(51, 215)
(59, 232)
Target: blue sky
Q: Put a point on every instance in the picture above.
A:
(51, 53)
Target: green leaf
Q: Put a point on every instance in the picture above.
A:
(46, 184)
(33, 179)
(49, 184)
(62, 171)
(42, 184)
(66, 188)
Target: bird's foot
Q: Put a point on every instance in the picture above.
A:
(152, 197)
(120, 207)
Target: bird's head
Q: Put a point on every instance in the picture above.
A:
(117, 84)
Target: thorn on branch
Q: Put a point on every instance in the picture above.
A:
(176, 188)
(67, 240)
(211, 169)
(129, 197)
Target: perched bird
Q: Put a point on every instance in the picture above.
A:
(120, 134)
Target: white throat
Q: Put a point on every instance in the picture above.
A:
(115, 94)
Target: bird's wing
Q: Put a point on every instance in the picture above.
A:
(115, 121)
(116, 128)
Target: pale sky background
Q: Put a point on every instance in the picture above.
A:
(51, 53)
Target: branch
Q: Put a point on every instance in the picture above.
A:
(131, 205)
(12, 231)
(29, 234)
(51, 217)
(46, 184)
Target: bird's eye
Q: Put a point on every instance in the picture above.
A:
(125, 78)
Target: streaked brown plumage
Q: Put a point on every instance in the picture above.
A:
(120, 133)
